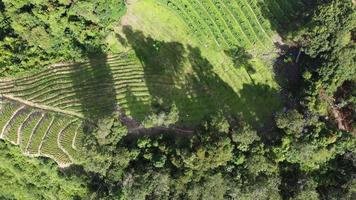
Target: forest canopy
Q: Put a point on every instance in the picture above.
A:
(37, 33)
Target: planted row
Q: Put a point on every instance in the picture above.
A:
(232, 23)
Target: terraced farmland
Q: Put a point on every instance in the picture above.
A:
(233, 23)
(39, 132)
(75, 87)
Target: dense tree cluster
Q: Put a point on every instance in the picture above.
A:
(329, 41)
(24, 178)
(40, 32)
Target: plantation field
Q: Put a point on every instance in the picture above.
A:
(227, 23)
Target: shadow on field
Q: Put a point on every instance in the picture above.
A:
(94, 87)
(197, 91)
(240, 57)
(286, 16)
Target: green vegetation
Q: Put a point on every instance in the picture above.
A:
(29, 178)
(177, 99)
(37, 33)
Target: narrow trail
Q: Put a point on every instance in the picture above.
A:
(75, 136)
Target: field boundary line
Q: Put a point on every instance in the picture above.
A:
(42, 107)
(29, 142)
(59, 140)
(75, 136)
(19, 129)
(45, 135)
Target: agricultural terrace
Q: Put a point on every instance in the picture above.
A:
(41, 132)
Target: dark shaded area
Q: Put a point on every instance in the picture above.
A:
(345, 106)
(156, 56)
(339, 174)
(287, 16)
(2, 6)
(137, 107)
(202, 92)
(288, 72)
(94, 88)
(288, 68)
(290, 179)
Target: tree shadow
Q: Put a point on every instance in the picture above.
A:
(241, 58)
(181, 75)
(287, 69)
(286, 16)
(94, 87)
(136, 106)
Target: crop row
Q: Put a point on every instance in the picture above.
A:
(73, 88)
(231, 22)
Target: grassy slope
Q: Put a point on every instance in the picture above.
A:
(252, 95)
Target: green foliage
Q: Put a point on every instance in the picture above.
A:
(308, 191)
(244, 138)
(110, 131)
(36, 33)
(102, 154)
(141, 186)
(208, 148)
(315, 147)
(330, 28)
(327, 39)
(302, 155)
(24, 178)
(164, 119)
(208, 155)
(291, 122)
(212, 187)
(265, 187)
